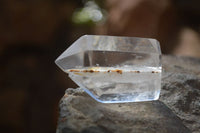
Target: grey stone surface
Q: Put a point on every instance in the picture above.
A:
(181, 89)
(79, 113)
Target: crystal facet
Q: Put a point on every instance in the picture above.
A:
(114, 69)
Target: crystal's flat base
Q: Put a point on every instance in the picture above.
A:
(123, 98)
(109, 85)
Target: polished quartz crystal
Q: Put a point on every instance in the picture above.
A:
(114, 69)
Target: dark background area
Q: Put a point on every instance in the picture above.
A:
(33, 33)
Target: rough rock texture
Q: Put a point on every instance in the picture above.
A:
(79, 113)
(181, 89)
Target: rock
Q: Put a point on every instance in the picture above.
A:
(181, 89)
(79, 113)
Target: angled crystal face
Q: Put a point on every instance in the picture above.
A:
(114, 69)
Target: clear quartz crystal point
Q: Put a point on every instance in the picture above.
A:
(114, 69)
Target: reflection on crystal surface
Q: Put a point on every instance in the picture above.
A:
(114, 69)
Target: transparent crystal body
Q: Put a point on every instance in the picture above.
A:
(114, 69)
